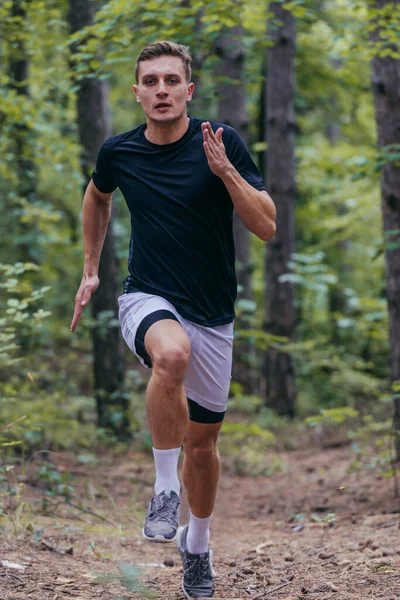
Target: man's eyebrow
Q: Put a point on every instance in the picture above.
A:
(166, 75)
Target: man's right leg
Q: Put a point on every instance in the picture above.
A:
(168, 346)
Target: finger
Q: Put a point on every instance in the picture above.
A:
(86, 296)
(207, 151)
(207, 131)
(204, 130)
(210, 150)
(211, 132)
(76, 317)
(212, 142)
(80, 301)
(218, 134)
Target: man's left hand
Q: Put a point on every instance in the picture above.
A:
(215, 150)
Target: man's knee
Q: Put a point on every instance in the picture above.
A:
(202, 449)
(171, 362)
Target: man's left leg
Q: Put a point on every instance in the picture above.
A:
(206, 384)
(201, 470)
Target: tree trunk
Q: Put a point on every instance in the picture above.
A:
(232, 111)
(26, 234)
(262, 118)
(94, 126)
(386, 89)
(195, 106)
(278, 369)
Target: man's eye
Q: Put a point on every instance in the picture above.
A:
(172, 80)
(149, 81)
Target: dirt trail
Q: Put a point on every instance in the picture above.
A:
(266, 543)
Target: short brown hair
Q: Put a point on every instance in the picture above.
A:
(157, 49)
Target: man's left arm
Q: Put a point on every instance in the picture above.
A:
(255, 207)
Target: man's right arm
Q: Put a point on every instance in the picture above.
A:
(96, 212)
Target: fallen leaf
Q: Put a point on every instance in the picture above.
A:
(322, 588)
(326, 555)
(260, 548)
(11, 565)
(376, 520)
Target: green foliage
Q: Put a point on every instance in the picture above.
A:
(55, 483)
(332, 416)
(118, 21)
(250, 449)
(240, 433)
(341, 348)
(375, 439)
(19, 321)
(329, 518)
(129, 578)
(384, 22)
(38, 417)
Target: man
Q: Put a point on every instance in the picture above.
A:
(181, 179)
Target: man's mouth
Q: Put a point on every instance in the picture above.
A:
(162, 105)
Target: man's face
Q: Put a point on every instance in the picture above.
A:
(162, 88)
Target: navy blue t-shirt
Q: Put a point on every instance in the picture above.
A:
(181, 245)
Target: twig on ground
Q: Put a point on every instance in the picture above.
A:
(7, 574)
(260, 548)
(91, 512)
(271, 590)
(52, 548)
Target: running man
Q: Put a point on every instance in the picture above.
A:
(181, 178)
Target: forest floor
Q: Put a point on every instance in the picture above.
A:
(271, 537)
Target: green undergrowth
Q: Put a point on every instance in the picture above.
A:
(46, 399)
(128, 577)
(49, 421)
(251, 449)
(370, 436)
(256, 437)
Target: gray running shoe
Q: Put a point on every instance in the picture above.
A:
(162, 517)
(198, 572)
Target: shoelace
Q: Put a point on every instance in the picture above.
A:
(197, 569)
(163, 511)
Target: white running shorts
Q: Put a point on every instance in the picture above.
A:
(208, 375)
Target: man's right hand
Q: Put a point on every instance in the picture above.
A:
(89, 285)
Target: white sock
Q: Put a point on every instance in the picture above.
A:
(198, 534)
(166, 462)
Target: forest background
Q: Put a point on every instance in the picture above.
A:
(298, 81)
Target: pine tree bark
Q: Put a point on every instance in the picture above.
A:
(278, 371)
(386, 90)
(262, 118)
(195, 106)
(94, 127)
(232, 111)
(22, 138)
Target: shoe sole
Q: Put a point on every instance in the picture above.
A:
(159, 538)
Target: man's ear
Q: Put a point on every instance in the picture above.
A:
(190, 92)
(136, 91)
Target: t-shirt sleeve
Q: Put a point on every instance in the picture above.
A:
(241, 159)
(104, 176)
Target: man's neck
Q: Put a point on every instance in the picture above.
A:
(166, 133)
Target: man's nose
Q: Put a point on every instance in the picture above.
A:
(162, 91)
